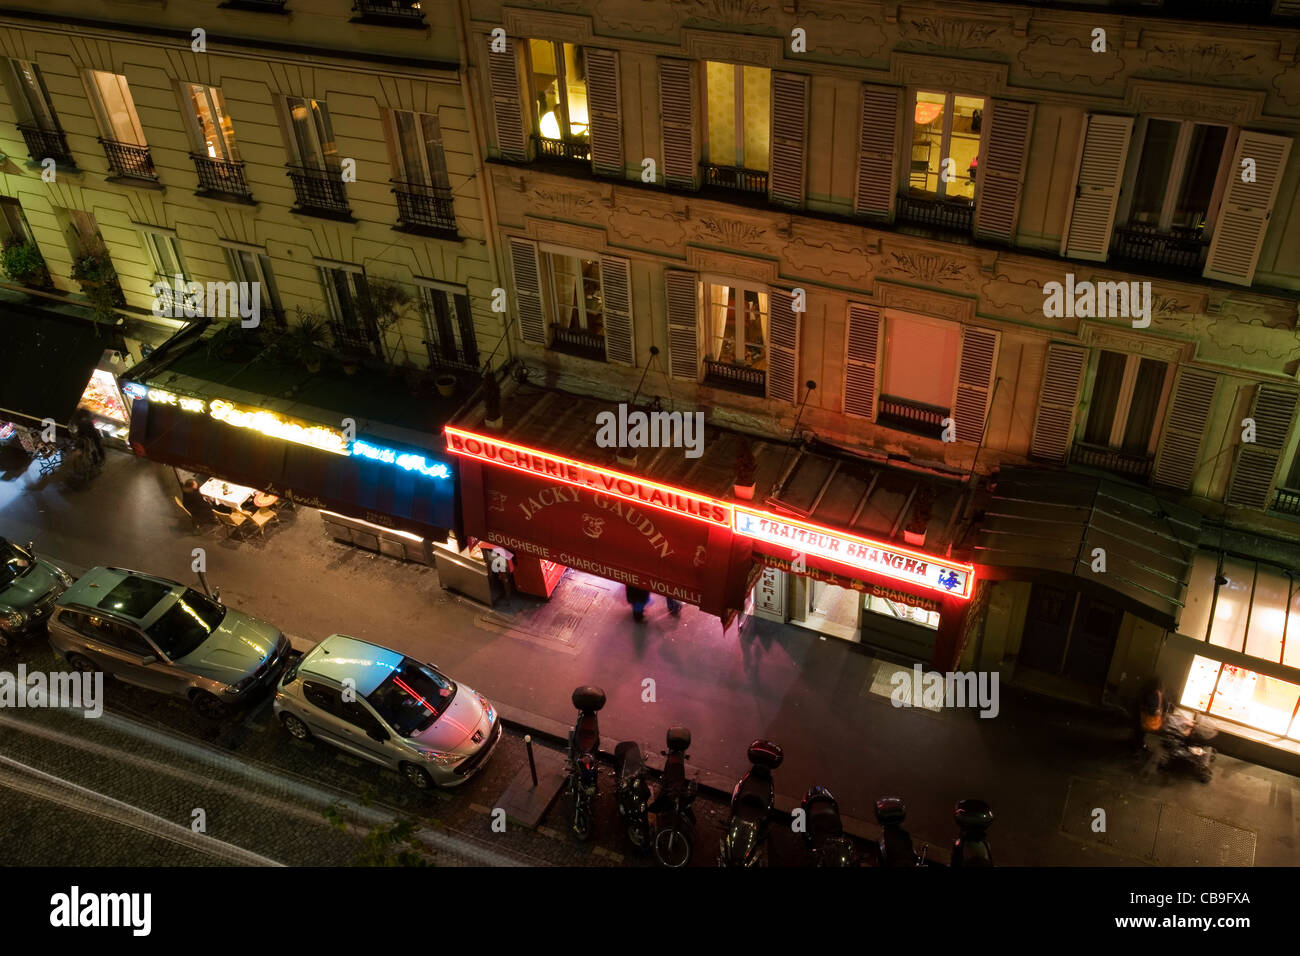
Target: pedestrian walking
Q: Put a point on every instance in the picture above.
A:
(1149, 712)
(88, 436)
(638, 598)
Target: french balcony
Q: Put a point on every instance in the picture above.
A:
(128, 161)
(450, 357)
(320, 193)
(735, 178)
(427, 210)
(579, 342)
(168, 303)
(946, 215)
(221, 179)
(352, 340)
(395, 13)
(45, 144)
(1287, 501)
(743, 379)
(906, 415)
(1180, 249)
(571, 149)
(1111, 459)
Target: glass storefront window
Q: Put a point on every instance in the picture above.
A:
(1267, 615)
(1200, 683)
(903, 612)
(1228, 629)
(1234, 693)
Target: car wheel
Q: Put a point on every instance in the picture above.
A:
(206, 705)
(417, 777)
(81, 665)
(295, 727)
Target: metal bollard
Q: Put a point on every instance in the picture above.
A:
(532, 765)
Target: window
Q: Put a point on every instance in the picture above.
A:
(945, 126)
(30, 97)
(326, 698)
(449, 327)
(919, 358)
(1174, 175)
(412, 698)
(14, 229)
(415, 148)
(186, 624)
(559, 90)
(311, 137)
(1127, 394)
(740, 114)
(249, 266)
(345, 294)
(211, 124)
(134, 597)
(114, 108)
(737, 317)
(359, 716)
(576, 298)
(121, 636)
(165, 253)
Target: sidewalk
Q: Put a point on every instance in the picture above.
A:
(1043, 765)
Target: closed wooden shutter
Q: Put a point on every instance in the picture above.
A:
(1180, 439)
(1096, 190)
(528, 290)
(677, 117)
(1058, 399)
(862, 359)
(783, 348)
(1256, 466)
(616, 288)
(878, 151)
(789, 138)
(1244, 215)
(603, 109)
(683, 324)
(975, 374)
(1286, 8)
(503, 72)
(1002, 169)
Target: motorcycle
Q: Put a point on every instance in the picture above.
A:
(824, 834)
(971, 848)
(633, 794)
(584, 742)
(895, 846)
(1186, 743)
(751, 807)
(674, 837)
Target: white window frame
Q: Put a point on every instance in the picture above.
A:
(738, 148)
(102, 115)
(36, 101)
(552, 291)
(451, 291)
(945, 140)
(948, 326)
(562, 86)
(229, 148)
(438, 178)
(1124, 403)
(265, 277)
(1178, 170)
(314, 131)
(741, 287)
(13, 222)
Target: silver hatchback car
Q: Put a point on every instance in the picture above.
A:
(388, 708)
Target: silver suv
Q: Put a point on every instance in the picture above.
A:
(388, 708)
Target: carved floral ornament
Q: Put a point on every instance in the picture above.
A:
(730, 232)
(948, 33)
(927, 267)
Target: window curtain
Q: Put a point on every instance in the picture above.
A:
(722, 322)
(1105, 398)
(756, 316)
(1142, 408)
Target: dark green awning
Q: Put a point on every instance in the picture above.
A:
(46, 360)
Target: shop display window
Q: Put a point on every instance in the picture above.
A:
(1241, 695)
(903, 612)
(103, 398)
(1232, 607)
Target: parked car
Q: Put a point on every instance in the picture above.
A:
(29, 586)
(396, 711)
(162, 635)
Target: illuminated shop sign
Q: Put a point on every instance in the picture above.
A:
(613, 483)
(275, 426)
(410, 462)
(887, 560)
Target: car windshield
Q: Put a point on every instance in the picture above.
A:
(134, 597)
(412, 697)
(14, 563)
(186, 624)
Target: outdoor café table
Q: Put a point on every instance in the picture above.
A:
(226, 493)
(262, 500)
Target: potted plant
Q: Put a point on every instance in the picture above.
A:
(919, 522)
(492, 416)
(99, 282)
(304, 341)
(383, 305)
(22, 261)
(745, 466)
(446, 384)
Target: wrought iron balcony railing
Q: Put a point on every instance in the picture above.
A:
(1111, 459)
(735, 177)
(402, 12)
(424, 208)
(579, 342)
(129, 161)
(218, 177)
(1287, 501)
(350, 339)
(909, 416)
(950, 215)
(265, 6)
(576, 149)
(450, 357)
(320, 192)
(166, 300)
(47, 144)
(735, 378)
(1177, 248)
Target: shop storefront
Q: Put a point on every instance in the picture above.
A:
(104, 400)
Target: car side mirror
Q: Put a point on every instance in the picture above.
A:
(216, 594)
(377, 733)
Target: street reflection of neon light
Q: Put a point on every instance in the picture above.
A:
(409, 462)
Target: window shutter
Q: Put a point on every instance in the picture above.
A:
(503, 72)
(862, 358)
(1256, 466)
(1243, 217)
(683, 324)
(603, 108)
(528, 290)
(677, 116)
(783, 348)
(975, 374)
(1002, 170)
(878, 151)
(616, 288)
(789, 138)
(1180, 439)
(1058, 399)
(1096, 190)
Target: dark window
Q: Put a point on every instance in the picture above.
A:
(186, 624)
(326, 698)
(356, 714)
(121, 636)
(134, 597)
(412, 697)
(14, 563)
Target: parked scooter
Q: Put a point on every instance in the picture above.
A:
(751, 807)
(824, 833)
(674, 832)
(633, 794)
(1186, 743)
(971, 848)
(584, 743)
(895, 846)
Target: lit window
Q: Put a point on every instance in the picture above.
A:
(740, 110)
(216, 132)
(560, 88)
(577, 296)
(738, 325)
(945, 126)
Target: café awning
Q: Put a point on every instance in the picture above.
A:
(47, 359)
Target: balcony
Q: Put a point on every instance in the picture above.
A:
(906, 415)
(351, 340)
(1287, 502)
(393, 13)
(736, 378)
(128, 161)
(735, 178)
(45, 144)
(260, 6)
(221, 179)
(1111, 459)
(1180, 249)
(427, 210)
(579, 342)
(572, 149)
(947, 215)
(168, 303)
(320, 193)
(450, 357)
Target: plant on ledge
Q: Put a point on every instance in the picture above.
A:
(99, 282)
(22, 261)
(745, 468)
(383, 305)
(305, 340)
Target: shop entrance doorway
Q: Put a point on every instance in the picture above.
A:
(1069, 635)
(833, 610)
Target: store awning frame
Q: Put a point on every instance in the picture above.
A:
(48, 359)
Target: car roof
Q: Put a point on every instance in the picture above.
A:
(89, 589)
(339, 657)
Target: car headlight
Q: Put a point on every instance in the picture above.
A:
(241, 685)
(492, 714)
(13, 618)
(440, 758)
(65, 578)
